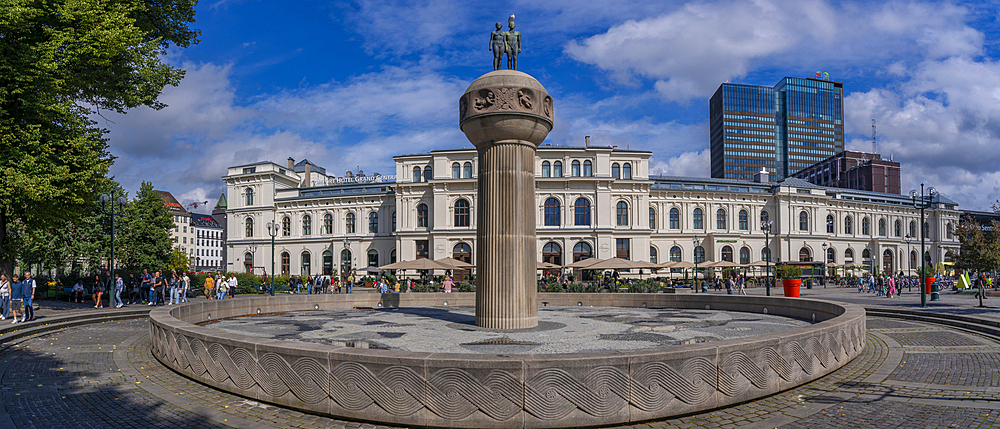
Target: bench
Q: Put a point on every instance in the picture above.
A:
(68, 293)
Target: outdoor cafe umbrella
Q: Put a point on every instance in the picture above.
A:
(416, 264)
(455, 263)
(680, 264)
(584, 263)
(620, 264)
(545, 266)
(720, 264)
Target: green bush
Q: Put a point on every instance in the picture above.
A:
(929, 271)
(786, 271)
(466, 287)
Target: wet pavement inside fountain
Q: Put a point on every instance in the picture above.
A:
(560, 330)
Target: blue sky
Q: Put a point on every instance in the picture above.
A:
(349, 84)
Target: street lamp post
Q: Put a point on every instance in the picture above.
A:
(694, 253)
(347, 269)
(272, 230)
(826, 258)
(114, 212)
(908, 239)
(765, 225)
(924, 202)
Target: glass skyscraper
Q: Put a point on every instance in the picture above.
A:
(783, 129)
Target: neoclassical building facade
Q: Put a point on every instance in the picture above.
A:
(589, 202)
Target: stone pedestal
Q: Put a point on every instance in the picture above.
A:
(506, 114)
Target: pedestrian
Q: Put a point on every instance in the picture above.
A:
(119, 286)
(383, 287)
(98, 291)
(186, 284)
(16, 297)
(133, 289)
(448, 284)
(175, 287)
(4, 297)
(395, 286)
(209, 286)
(350, 281)
(222, 288)
(892, 286)
(730, 284)
(147, 285)
(233, 284)
(156, 289)
(29, 297)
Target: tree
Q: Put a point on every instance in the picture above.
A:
(145, 242)
(179, 261)
(980, 245)
(60, 62)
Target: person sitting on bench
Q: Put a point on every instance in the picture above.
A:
(78, 292)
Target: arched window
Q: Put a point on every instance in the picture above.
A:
(949, 228)
(546, 169)
(699, 254)
(627, 171)
(652, 255)
(727, 253)
(913, 229)
(248, 262)
(327, 263)
(416, 174)
(249, 196)
(581, 212)
(866, 226)
(764, 217)
(588, 169)
(249, 227)
(927, 230)
(467, 170)
(652, 218)
(897, 228)
(428, 174)
(805, 255)
(927, 257)
(744, 255)
(848, 225)
(575, 168)
(866, 256)
(286, 226)
(373, 222)
(675, 219)
(831, 255)
(393, 221)
(552, 253)
(803, 221)
(829, 224)
(720, 219)
(744, 220)
(552, 212)
(307, 225)
(345, 261)
(373, 258)
(392, 256)
(699, 219)
(462, 252)
(462, 212)
(765, 254)
(306, 263)
(675, 254)
(350, 223)
(328, 224)
(881, 227)
(557, 169)
(615, 171)
(456, 170)
(621, 212)
(286, 263)
(913, 259)
(848, 256)
(422, 221)
(582, 251)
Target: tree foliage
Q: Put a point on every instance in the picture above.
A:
(145, 242)
(60, 62)
(179, 261)
(980, 246)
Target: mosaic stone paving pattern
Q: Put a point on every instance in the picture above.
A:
(561, 329)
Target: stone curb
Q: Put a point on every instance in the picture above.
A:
(10, 331)
(983, 326)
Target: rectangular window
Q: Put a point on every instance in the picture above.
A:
(622, 248)
(249, 170)
(423, 249)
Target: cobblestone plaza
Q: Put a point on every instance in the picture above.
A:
(911, 374)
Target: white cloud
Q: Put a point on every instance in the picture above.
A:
(687, 164)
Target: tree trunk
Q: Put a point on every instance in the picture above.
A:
(6, 263)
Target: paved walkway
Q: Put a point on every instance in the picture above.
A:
(911, 375)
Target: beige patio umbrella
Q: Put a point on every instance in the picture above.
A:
(669, 264)
(455, 263)
(684, 264)
(761, 263)
(584, 263)
(416, 264)
(546, 266)
(620, 264)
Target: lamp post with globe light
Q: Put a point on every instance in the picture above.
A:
(113, 207)
(765, 225)
(923, 201)
(272, 230)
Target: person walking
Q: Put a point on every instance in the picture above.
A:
(4, 297)
(175, 286)
(29, 296)
(892, 286)
(147, 285)
(350, 282)
(156, 291)
(209, 286)
(185, 285)
(233, 284)
(16, 297)
(448, 284)
(97, 291)
(222, 288)
(119, 286)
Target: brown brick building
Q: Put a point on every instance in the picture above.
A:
(855, 170)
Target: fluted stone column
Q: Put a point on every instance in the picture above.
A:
(506, 114)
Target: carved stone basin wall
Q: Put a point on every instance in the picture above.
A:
(509, 391)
